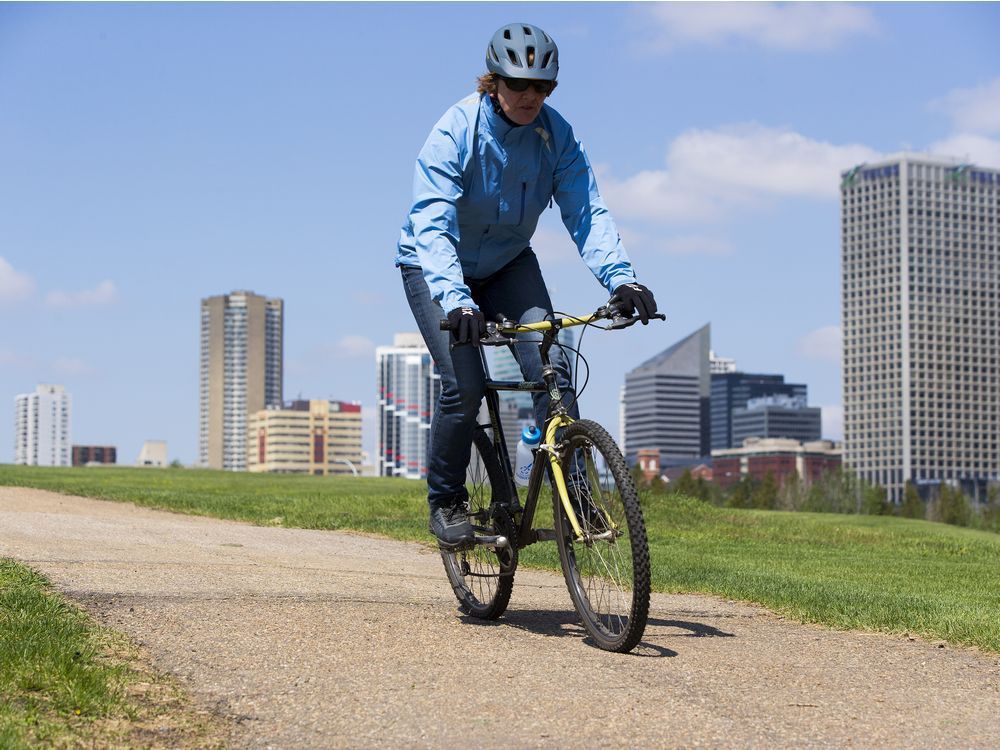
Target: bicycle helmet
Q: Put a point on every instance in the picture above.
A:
(520, 50)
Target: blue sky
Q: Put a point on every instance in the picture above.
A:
(152, 155)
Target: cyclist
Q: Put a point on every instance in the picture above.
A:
(489, 168)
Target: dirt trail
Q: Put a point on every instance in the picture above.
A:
(325, 639)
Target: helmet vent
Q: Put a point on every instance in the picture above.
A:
(527, 30)
(531, 56)
(512, 55)
(506, 33)
(545, 60)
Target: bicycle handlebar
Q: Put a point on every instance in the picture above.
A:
(499, 332)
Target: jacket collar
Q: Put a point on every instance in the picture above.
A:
(497, 124)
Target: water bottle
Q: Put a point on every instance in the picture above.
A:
(531, 436)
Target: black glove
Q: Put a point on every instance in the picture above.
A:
(467, 325)
(636, 300)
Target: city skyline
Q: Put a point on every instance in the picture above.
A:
(153, 156)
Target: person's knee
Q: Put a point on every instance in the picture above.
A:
(464, 400)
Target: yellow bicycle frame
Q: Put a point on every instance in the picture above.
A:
(556, 422)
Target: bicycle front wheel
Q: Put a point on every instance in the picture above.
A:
(607, 570)
(481, 577)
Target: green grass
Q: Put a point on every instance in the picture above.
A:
(863, 572)
(66, 682)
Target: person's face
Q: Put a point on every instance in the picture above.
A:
(521, 107)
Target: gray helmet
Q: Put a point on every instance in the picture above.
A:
(520, 50)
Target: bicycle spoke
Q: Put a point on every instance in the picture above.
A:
(601, 568)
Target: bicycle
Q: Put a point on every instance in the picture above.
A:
(599, 529)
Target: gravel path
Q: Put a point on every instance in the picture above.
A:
(325, 639)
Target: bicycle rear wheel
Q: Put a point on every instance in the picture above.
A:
(483, 578)
(607, 572)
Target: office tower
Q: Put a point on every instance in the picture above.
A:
(42, 427)
(920, 295)
(777, 417)
(241, 372)
(94, 454)
(408, 389)
(667, 402)
(306, 437)
(733, 390)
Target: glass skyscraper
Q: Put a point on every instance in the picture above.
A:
(408, 390)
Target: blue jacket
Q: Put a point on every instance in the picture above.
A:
(479, 187)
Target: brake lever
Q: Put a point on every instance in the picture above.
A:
(493, 337)
(619, 321)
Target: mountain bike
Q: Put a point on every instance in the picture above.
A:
(599, 530)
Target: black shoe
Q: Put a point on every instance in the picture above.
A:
(450, 524)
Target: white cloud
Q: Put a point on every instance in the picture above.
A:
(678, 245)
(14, 286)
(833, 422)
(973, 110)
(104, 293)
(554, 246)
(711, 172)
(824, 343)
(355, 347)
(805, 27)
(977, 149)
(73, 366)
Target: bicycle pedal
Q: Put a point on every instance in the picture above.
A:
(494, 541)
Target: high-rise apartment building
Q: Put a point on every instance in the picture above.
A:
(408, 390)
(42, 427)
(241, 372)
(733, 390)
(667, 402)
(306, 437)
(921, 322)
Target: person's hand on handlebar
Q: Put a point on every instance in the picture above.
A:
(635, 299)
(467, 325)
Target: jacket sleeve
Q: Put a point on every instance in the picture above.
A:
(437, 186)
(587, 217)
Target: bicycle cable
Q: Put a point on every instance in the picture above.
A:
(577, 392)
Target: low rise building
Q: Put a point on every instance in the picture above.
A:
(153, 453)
(779, 457)
(306, 437)
(85, 455)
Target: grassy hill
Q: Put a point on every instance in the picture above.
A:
(866, 572)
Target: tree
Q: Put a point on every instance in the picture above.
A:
(953, 506)
(741, 493)
(765, 496)
(912, 506)
(686, 485)
(791, 493)
(875, 502)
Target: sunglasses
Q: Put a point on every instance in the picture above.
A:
(521, 85)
